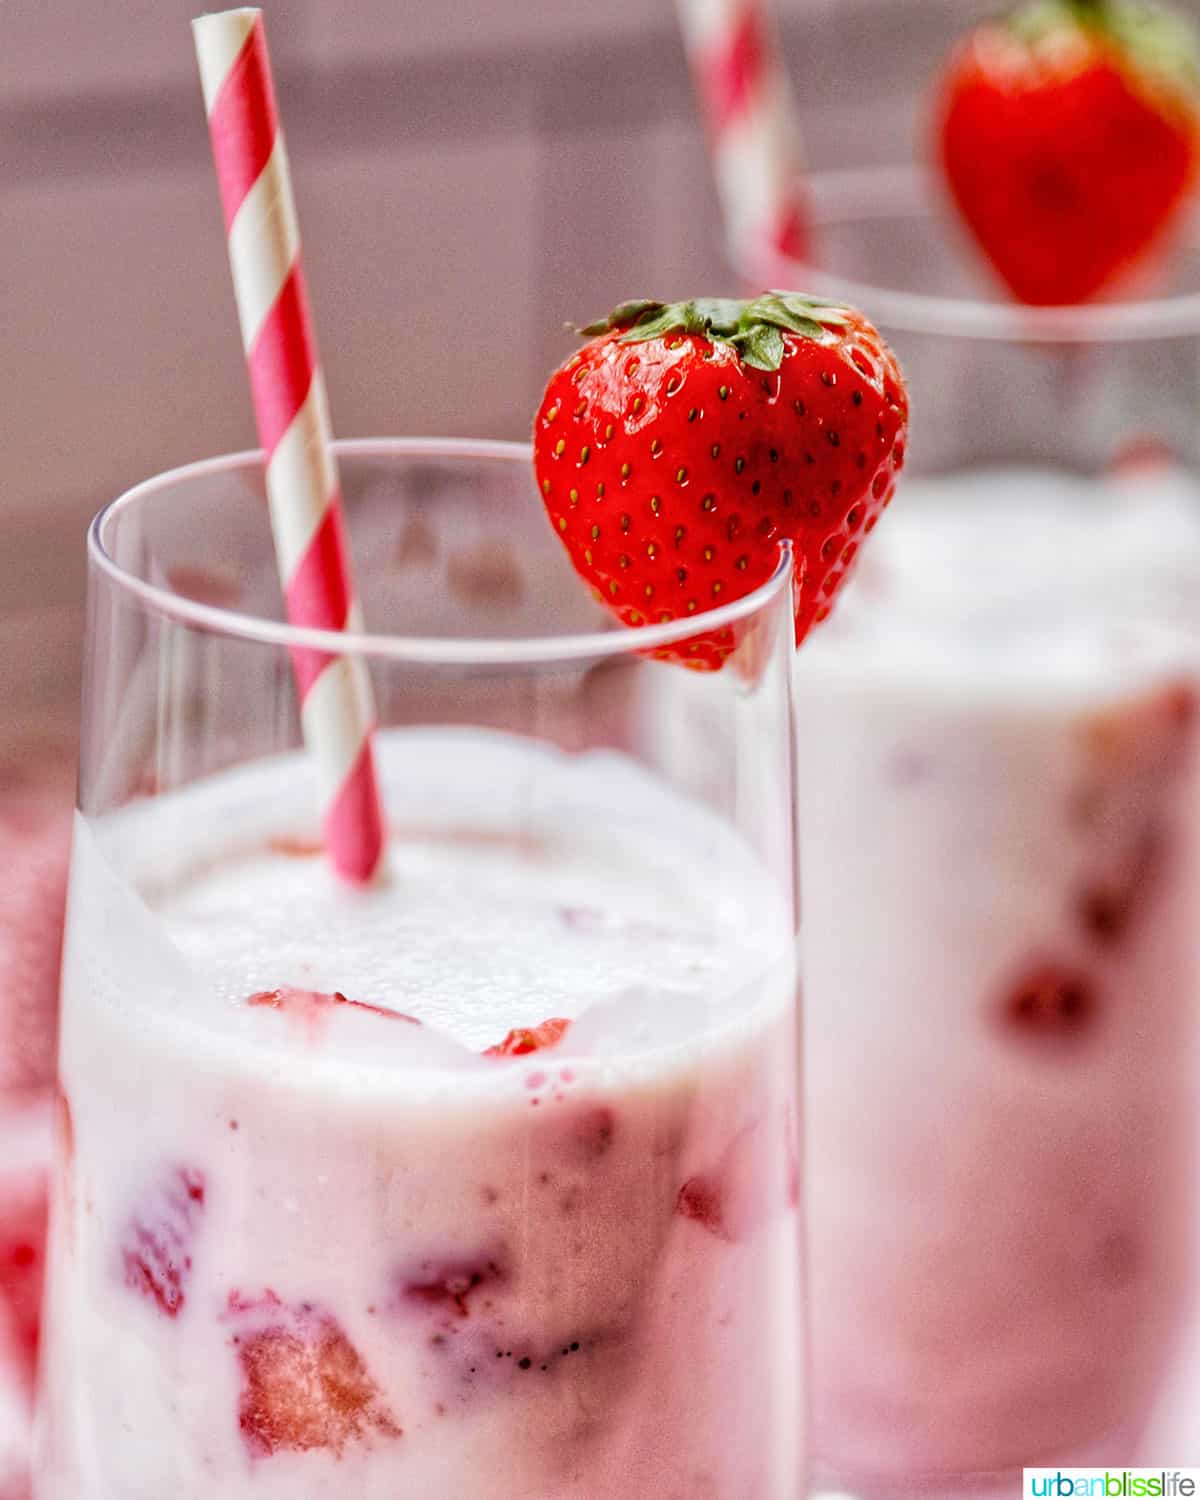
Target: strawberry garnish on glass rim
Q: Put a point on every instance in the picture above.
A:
(1069, 134)
(685, 442)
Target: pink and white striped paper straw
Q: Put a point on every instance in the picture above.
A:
(336, 707)
(754, 134)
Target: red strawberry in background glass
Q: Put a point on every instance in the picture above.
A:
(685, 442)
(1069, 134)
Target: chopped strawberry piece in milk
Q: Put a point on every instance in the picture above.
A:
(311, 1004)
(700, 1200)
(734, 1197)
(156, 1249)
(305, 1387)
(1051, 1001)
(523, 1040)
(451, 1285)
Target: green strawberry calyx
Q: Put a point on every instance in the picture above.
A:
(755, 329)
(1158, 42)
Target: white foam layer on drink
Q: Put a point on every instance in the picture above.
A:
(1023, 583)
(525, 883)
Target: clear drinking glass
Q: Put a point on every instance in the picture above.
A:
(306, 1237)
(1001, 827)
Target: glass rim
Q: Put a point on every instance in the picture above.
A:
(449, 651)
(911, 190)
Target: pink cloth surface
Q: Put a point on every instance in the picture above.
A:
(35, 832)
(25, 1136)
(36, 800)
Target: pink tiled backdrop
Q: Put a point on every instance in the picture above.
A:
(471, 175)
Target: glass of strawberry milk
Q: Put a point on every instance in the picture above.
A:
(1001, 835)
(481, 1178)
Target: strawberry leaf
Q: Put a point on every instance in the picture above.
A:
(761, 346)
(792, 313)
(721, 314)
(624, 315)
(1159, 43)
(755, 329)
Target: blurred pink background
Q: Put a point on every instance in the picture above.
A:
(470, 176)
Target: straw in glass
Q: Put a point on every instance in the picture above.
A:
(336, 707)
(753, 130)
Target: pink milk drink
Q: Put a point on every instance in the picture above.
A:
(483, 1177)
(1004, 1272)
(1000, 1065)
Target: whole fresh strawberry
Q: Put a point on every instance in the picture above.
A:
(685, 442)
(1069, 136)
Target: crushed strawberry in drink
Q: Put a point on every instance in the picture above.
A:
(700, 1200)
(312, 1005)
(1051, 1001)
(304, 1384)
(156, 1250)
(525, 1039)
(732, 1198)
(450, 1286)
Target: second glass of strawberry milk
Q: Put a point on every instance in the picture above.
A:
(1001, 883)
